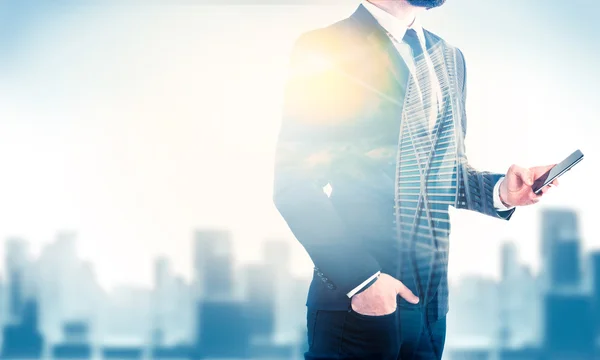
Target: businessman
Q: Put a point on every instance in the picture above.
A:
(369, 158)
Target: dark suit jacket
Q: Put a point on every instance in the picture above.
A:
(343, 103)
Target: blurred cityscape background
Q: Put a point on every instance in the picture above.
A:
(53, 307)
(136, 154)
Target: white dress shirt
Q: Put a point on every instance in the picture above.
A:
(396, 30)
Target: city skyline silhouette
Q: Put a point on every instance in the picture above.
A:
(52, 306)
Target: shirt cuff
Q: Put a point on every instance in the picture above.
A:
(497, 202)
(359, 287)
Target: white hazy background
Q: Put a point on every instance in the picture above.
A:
(135, 124)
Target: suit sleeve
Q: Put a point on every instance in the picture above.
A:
(479, 186)
(313, 110)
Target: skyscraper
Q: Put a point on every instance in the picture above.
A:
(560, 249)
(162, 270)
(171, 306)
(18, 275)
(68, 287)
(213, 262)
(261, 300)
(568, 327)
(277, 257)
(565, 307)
(519, 297)
(595, 260)
(22, 339)
(223, 330)
(509, 260)
(565, 271)
(509, 268)
(213, 277)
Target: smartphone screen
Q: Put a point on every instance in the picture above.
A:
(557, 171)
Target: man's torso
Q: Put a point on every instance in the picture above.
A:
(381, 162)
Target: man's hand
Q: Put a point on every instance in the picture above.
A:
(516, 188)
(380, 298)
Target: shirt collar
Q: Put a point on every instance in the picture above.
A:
(392, 25)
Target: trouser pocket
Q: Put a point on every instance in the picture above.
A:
(371, 337)
(350, 335)
(325, 332)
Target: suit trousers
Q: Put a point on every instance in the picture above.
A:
(405, 334)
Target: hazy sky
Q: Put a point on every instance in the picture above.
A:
(134, 125)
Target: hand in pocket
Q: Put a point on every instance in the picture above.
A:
(380, 298)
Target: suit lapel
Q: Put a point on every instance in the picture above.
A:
(382, 46)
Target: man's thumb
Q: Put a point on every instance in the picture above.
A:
(406, 294)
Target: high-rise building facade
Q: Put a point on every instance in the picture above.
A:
(560, 249)
(68, 287)
(172, 305)
(223, 330)
(213, 263)
(519, 295)
(568, 326)
(595, 265)
(18, 275)
(509, 261)
(260, 300)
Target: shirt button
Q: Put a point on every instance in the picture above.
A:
(324, 279)
(330, 286)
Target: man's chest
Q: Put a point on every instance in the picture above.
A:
(420, 100)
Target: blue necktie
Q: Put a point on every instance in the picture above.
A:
(412, 40)
(421, 76)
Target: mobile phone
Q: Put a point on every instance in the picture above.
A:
(556, 171)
